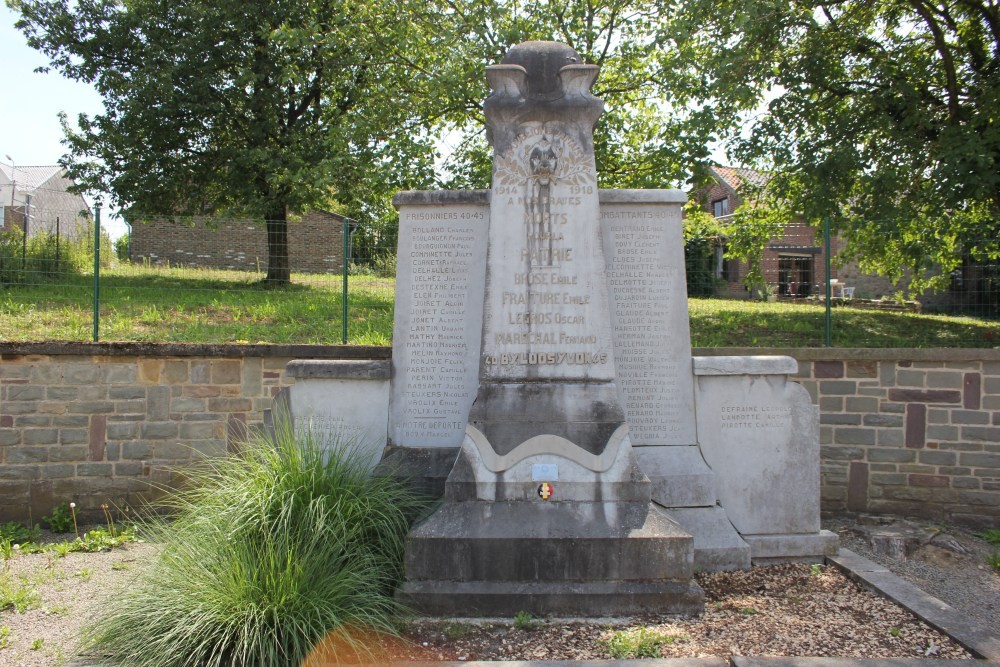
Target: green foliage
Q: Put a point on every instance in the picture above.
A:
(993, 560)
(754, 224)
(639, 642)
(267, 553)
(991, 535)
(525, 621)
(4, 636)
(702, 235)
(18, 593)
(61, 520)
(877, 115)
(18, 533)
(122, 247)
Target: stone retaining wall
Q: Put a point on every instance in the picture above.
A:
(913, 432)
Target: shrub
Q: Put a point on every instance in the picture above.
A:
(61, 519)
(269, 552)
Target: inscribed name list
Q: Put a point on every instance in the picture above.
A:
(439, 304)
(645, 253)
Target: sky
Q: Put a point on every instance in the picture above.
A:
(30, 104)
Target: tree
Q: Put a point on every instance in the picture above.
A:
(641, 141)
(880, 115)
(255, 107)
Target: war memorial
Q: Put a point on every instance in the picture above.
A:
(542, 384)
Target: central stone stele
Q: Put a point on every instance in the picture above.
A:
(546, 509)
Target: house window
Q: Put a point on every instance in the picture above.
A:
(795, 275)
(720, 207)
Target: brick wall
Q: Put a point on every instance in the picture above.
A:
(315, 243)
(98, 423)
(910, 432)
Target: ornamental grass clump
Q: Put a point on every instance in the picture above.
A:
(267, 554)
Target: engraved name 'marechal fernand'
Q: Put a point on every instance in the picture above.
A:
(544, 312)
(442, 251)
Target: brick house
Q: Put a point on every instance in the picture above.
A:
(794, 262)
(315, 243)
(44, 192)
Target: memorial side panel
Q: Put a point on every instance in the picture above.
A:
(438, 322)
(644, 247)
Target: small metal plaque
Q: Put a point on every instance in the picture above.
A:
(544, 472)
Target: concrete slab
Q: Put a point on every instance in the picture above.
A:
(717, 545)
(939, 615)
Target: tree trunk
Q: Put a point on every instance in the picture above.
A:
(278, 269)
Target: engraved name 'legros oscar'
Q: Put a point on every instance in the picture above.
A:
(544, 304)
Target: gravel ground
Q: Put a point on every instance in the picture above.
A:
(791, 610)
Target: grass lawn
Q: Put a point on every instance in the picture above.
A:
(205, 306)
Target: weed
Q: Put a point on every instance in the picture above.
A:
(120, 567)
(525, 621)
(749, 611)
(815, 569)
(640, 642)
(894, 631)
(84, 573)
(58, 610)
(61, 549)
(991, 535)
(4, 636)
(62, 519)
(18, 594)
(993, 560)
(455, 631)
(267, 553)
(17, 533)
(6, 552)
(37, 644)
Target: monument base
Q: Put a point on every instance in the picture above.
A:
(549, 558)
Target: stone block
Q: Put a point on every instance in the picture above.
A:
(10, 472)
(944, 379)
(175, 371)
(857, 487)
(229, 404)
(129, 469)
(828, 369)
(95, 469)
(981, 433)
(862, 369)
(120, 374)
(97, 392)
(130, 407)
(81, 374)
(24, 392)
(781, 548)
(226, 371)
(40, 436)
(954, 471)
(838, 387)
(19, 407)
(122, 430)
(937, 457)
(71, 421)
(933, 481)
(126, 392)
(158, 430)
(201, 430)
(973, 417)
(52, 407)
(678, 476)
(27, 454)
(171, 451)
(187, 404)
(888, 479)
(910, 378)
(847, 419)
(866, 404)
(979, 460)
(893, 408)
(74, 436)
(884, 455)
(831, 404)
(149, 370)
(972, 391)
(717, 545)
(853, 436)
(157, 403)
(136, 450)
(916, 426)
(32, 421)
(10, 371)
(58, 393)
(201, 372)
(68, 453)
(944, 396)
(838, 453)
(91, 407)
(938, 416)
(9, 437)
(885, 421)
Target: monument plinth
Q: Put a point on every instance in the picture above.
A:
(546, 509)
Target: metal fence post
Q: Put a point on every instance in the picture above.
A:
(344, 257)
(97, 271)
(829, 290)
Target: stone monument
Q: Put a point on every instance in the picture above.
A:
(542, 383)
